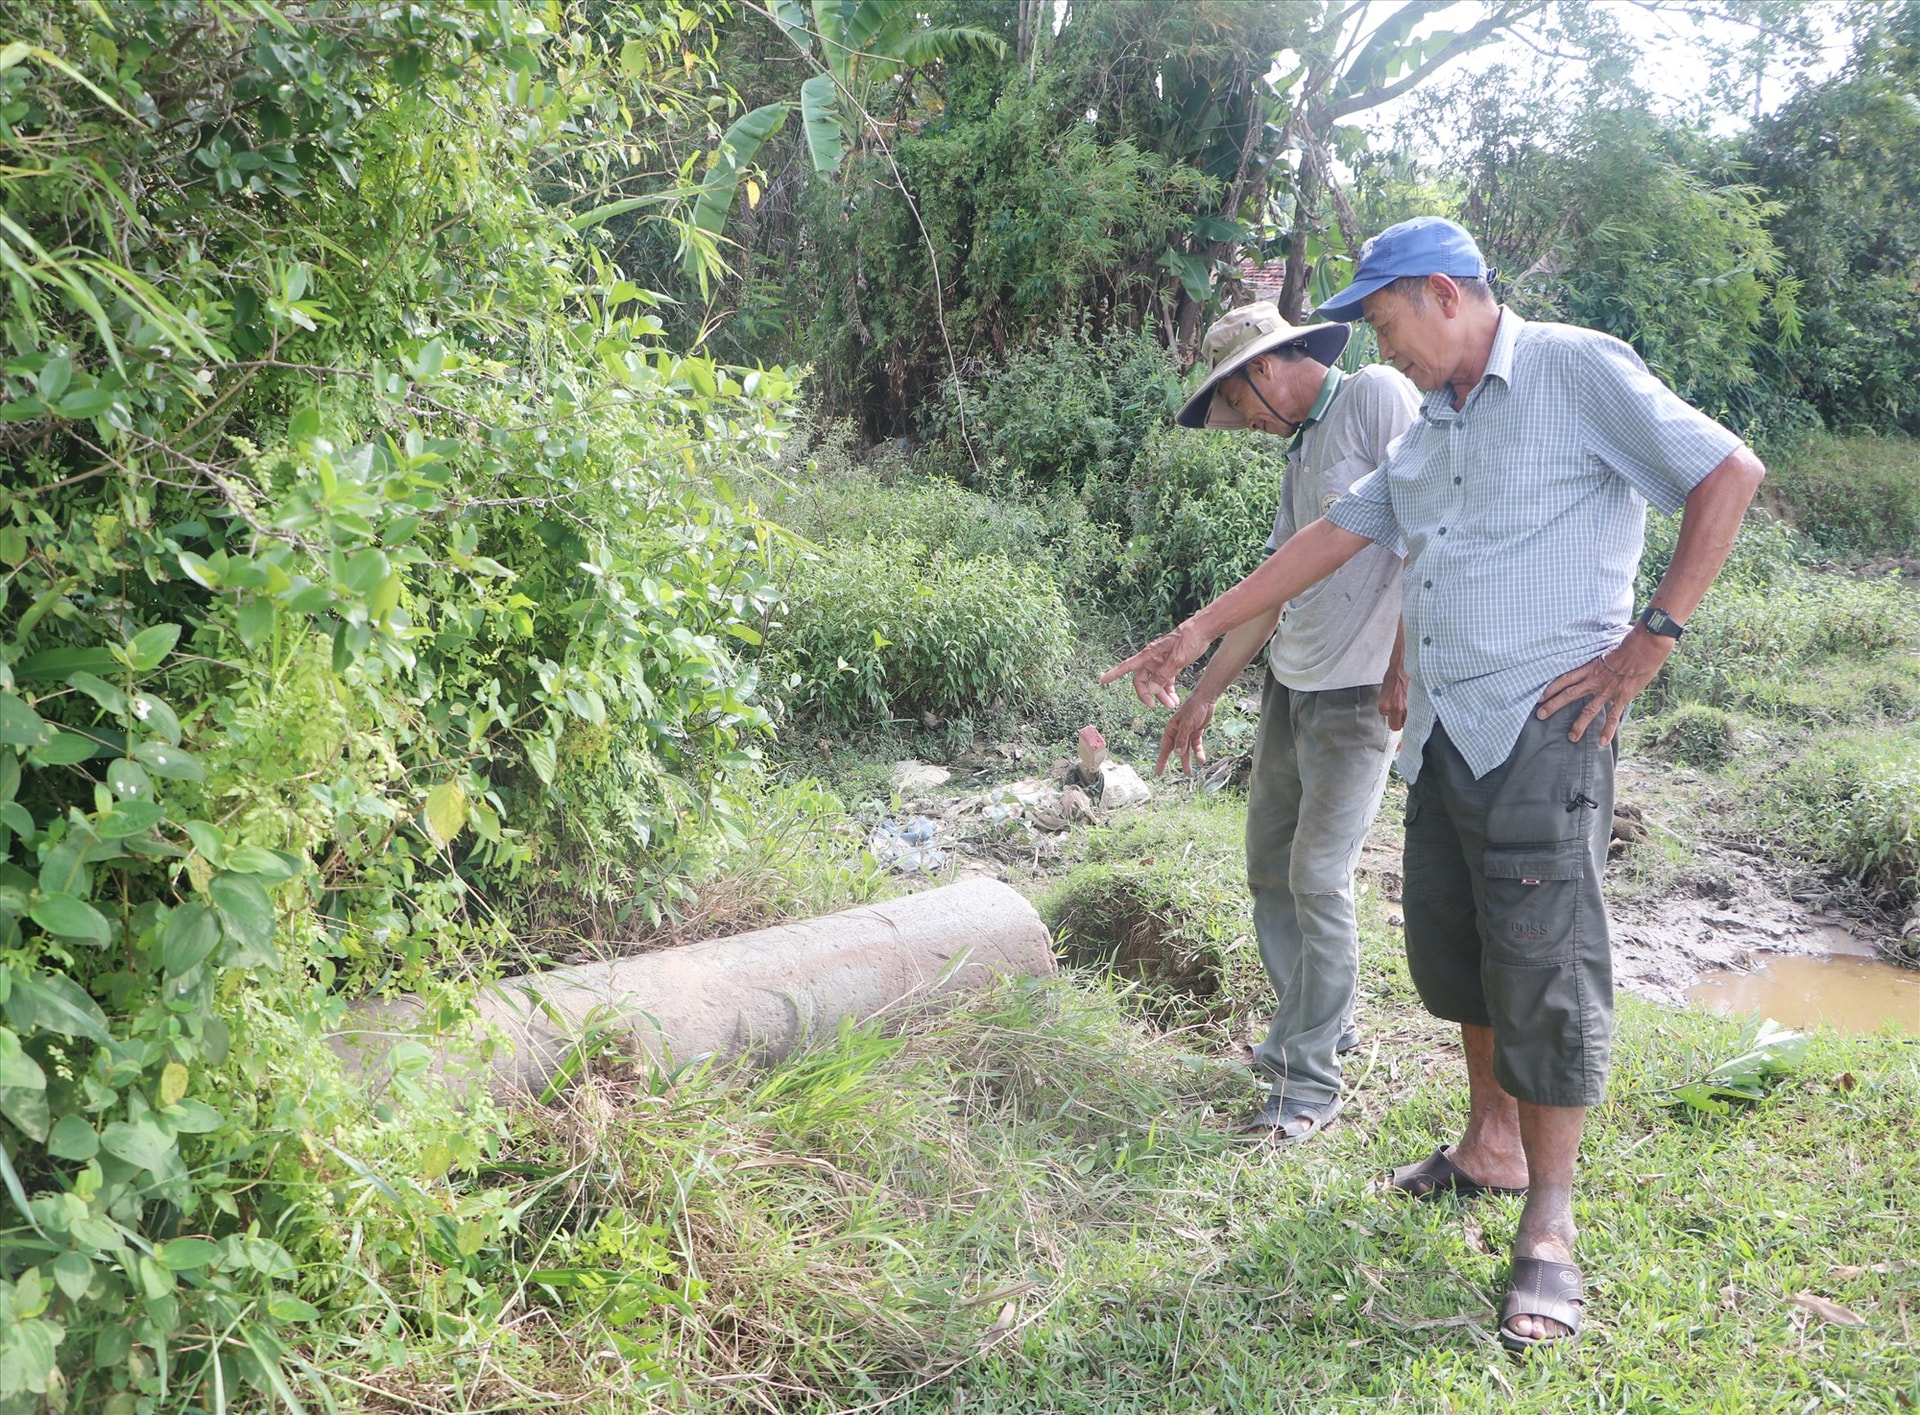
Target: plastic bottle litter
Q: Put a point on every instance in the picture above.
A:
(907, 848)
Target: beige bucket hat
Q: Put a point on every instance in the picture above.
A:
(1242, 335)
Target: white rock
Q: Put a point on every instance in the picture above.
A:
(918, 776)
(1120, 785)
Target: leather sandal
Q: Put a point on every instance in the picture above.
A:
(1438, 1174)
(1540, 1287)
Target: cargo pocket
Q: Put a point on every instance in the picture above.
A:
(1532, 903)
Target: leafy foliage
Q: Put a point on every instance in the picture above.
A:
(1765, 1052)
(365, 554)
(875, 629)
(1840, 158)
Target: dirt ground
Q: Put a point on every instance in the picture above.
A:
(1685, 899)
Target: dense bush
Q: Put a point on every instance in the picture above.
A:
(361, 566)
(875, 630)
(1068, 412)
(1198, 508)
(1850, 495)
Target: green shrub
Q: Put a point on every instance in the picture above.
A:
(1850, 495)
(1200, 508)
(1699, 735)
(1858, 799)
(876, 630)
(1069, 412)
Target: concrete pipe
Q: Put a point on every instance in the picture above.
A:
(761, 993)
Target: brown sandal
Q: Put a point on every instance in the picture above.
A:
(1539, 1287)
(1437, 1174)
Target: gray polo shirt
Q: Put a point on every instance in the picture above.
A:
(1339, 634)
(1523, 514)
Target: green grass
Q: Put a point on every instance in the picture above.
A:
(1850, 495)
(1031, 1203)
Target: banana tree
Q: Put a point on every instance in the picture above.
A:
(857, 46)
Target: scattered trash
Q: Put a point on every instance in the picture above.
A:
(912, 775)
(907, 848)
(1121, 786)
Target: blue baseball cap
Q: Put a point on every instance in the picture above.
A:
(1426, 245)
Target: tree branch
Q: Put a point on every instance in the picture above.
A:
(1460, 44)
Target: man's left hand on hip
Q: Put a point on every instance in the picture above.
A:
(1608, 683)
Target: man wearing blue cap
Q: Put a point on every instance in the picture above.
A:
(1519, 498)
(1332, 696)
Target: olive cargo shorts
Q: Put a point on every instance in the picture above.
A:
(1506, 927)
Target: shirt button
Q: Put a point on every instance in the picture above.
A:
(1427, 585)
(1456, 481)
(1426, 641)
(1443, 530)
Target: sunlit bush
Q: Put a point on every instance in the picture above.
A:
(875, 630)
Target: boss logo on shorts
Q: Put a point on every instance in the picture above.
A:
(1524, 929)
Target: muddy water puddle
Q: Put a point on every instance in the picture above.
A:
(1844, 991)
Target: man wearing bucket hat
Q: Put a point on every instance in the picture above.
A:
(1519, 496)
(1333, 695)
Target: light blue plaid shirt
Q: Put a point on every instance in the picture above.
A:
(1524, 515)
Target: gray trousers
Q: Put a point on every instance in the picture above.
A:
(1319, 767)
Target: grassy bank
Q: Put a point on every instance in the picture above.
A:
(1032, 1204)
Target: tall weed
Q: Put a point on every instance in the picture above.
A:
(1858, 799)
(877, 630)
(1855, 495)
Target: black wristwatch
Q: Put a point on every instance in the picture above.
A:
(1657, 621)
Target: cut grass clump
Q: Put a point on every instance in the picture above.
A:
(1699, 735)
(1138, 925)
(1161, 900)
(1850, 495)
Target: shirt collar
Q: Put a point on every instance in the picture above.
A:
(1327, 389)
(1505, 335)
(1437, 406)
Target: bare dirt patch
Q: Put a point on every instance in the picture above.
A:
(1722, 905)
